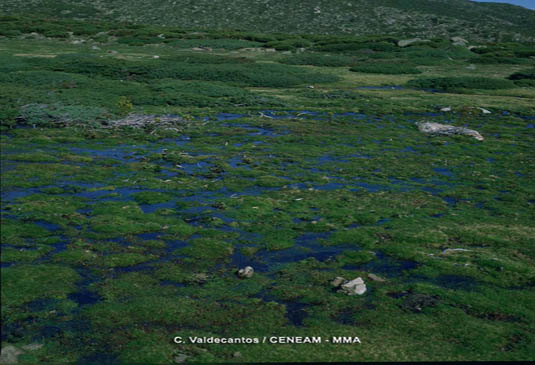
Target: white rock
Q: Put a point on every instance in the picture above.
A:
(96, 48)
(355, 286)
(155, 57)
(485, 111)
(246, 272)
(446, 109)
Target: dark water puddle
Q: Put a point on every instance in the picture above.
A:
(9, 196)
(83, 296)
(258, 131)
(306, 246)
(295, 311)
(47, 225)
(227, 116)
(123, 153)
(444, 171)
(372, 188)
(385, 265)
(117, 194)
(148, 236)
(237, 162)
(151, 208)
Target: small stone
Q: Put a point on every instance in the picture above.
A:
(446, 109)
(376, 278)
(246, 272)
(96, 48)
(338, 281)
(484, 111)
(156, 57)
(10, 354)
(236, 354)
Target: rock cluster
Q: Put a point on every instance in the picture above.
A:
(353, 287)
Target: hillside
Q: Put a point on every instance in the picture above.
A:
(428, 18)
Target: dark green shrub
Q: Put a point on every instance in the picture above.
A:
(523, 75)
(230, 44)
(386, 68)
(59, 115)
(261, 75)
(289, 44)
(525, 83)
(317, 59)
(525, 53)
(56, 34)
(452, 83)
(497, 60)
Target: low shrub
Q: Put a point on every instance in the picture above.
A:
(289, 44)
(523, 75)
(386, 68)
(59, 115)
(498, 60)
(451, 83)
(260, 75)
(229, 44)
(318, 59)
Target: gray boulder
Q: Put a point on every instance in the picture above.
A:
(447, 130)
(354, 287)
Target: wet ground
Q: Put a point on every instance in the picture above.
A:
(300, 196)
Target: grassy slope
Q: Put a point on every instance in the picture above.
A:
(426, 18)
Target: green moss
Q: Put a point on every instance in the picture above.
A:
(151, 197)
(207, 249)
(23, 284)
